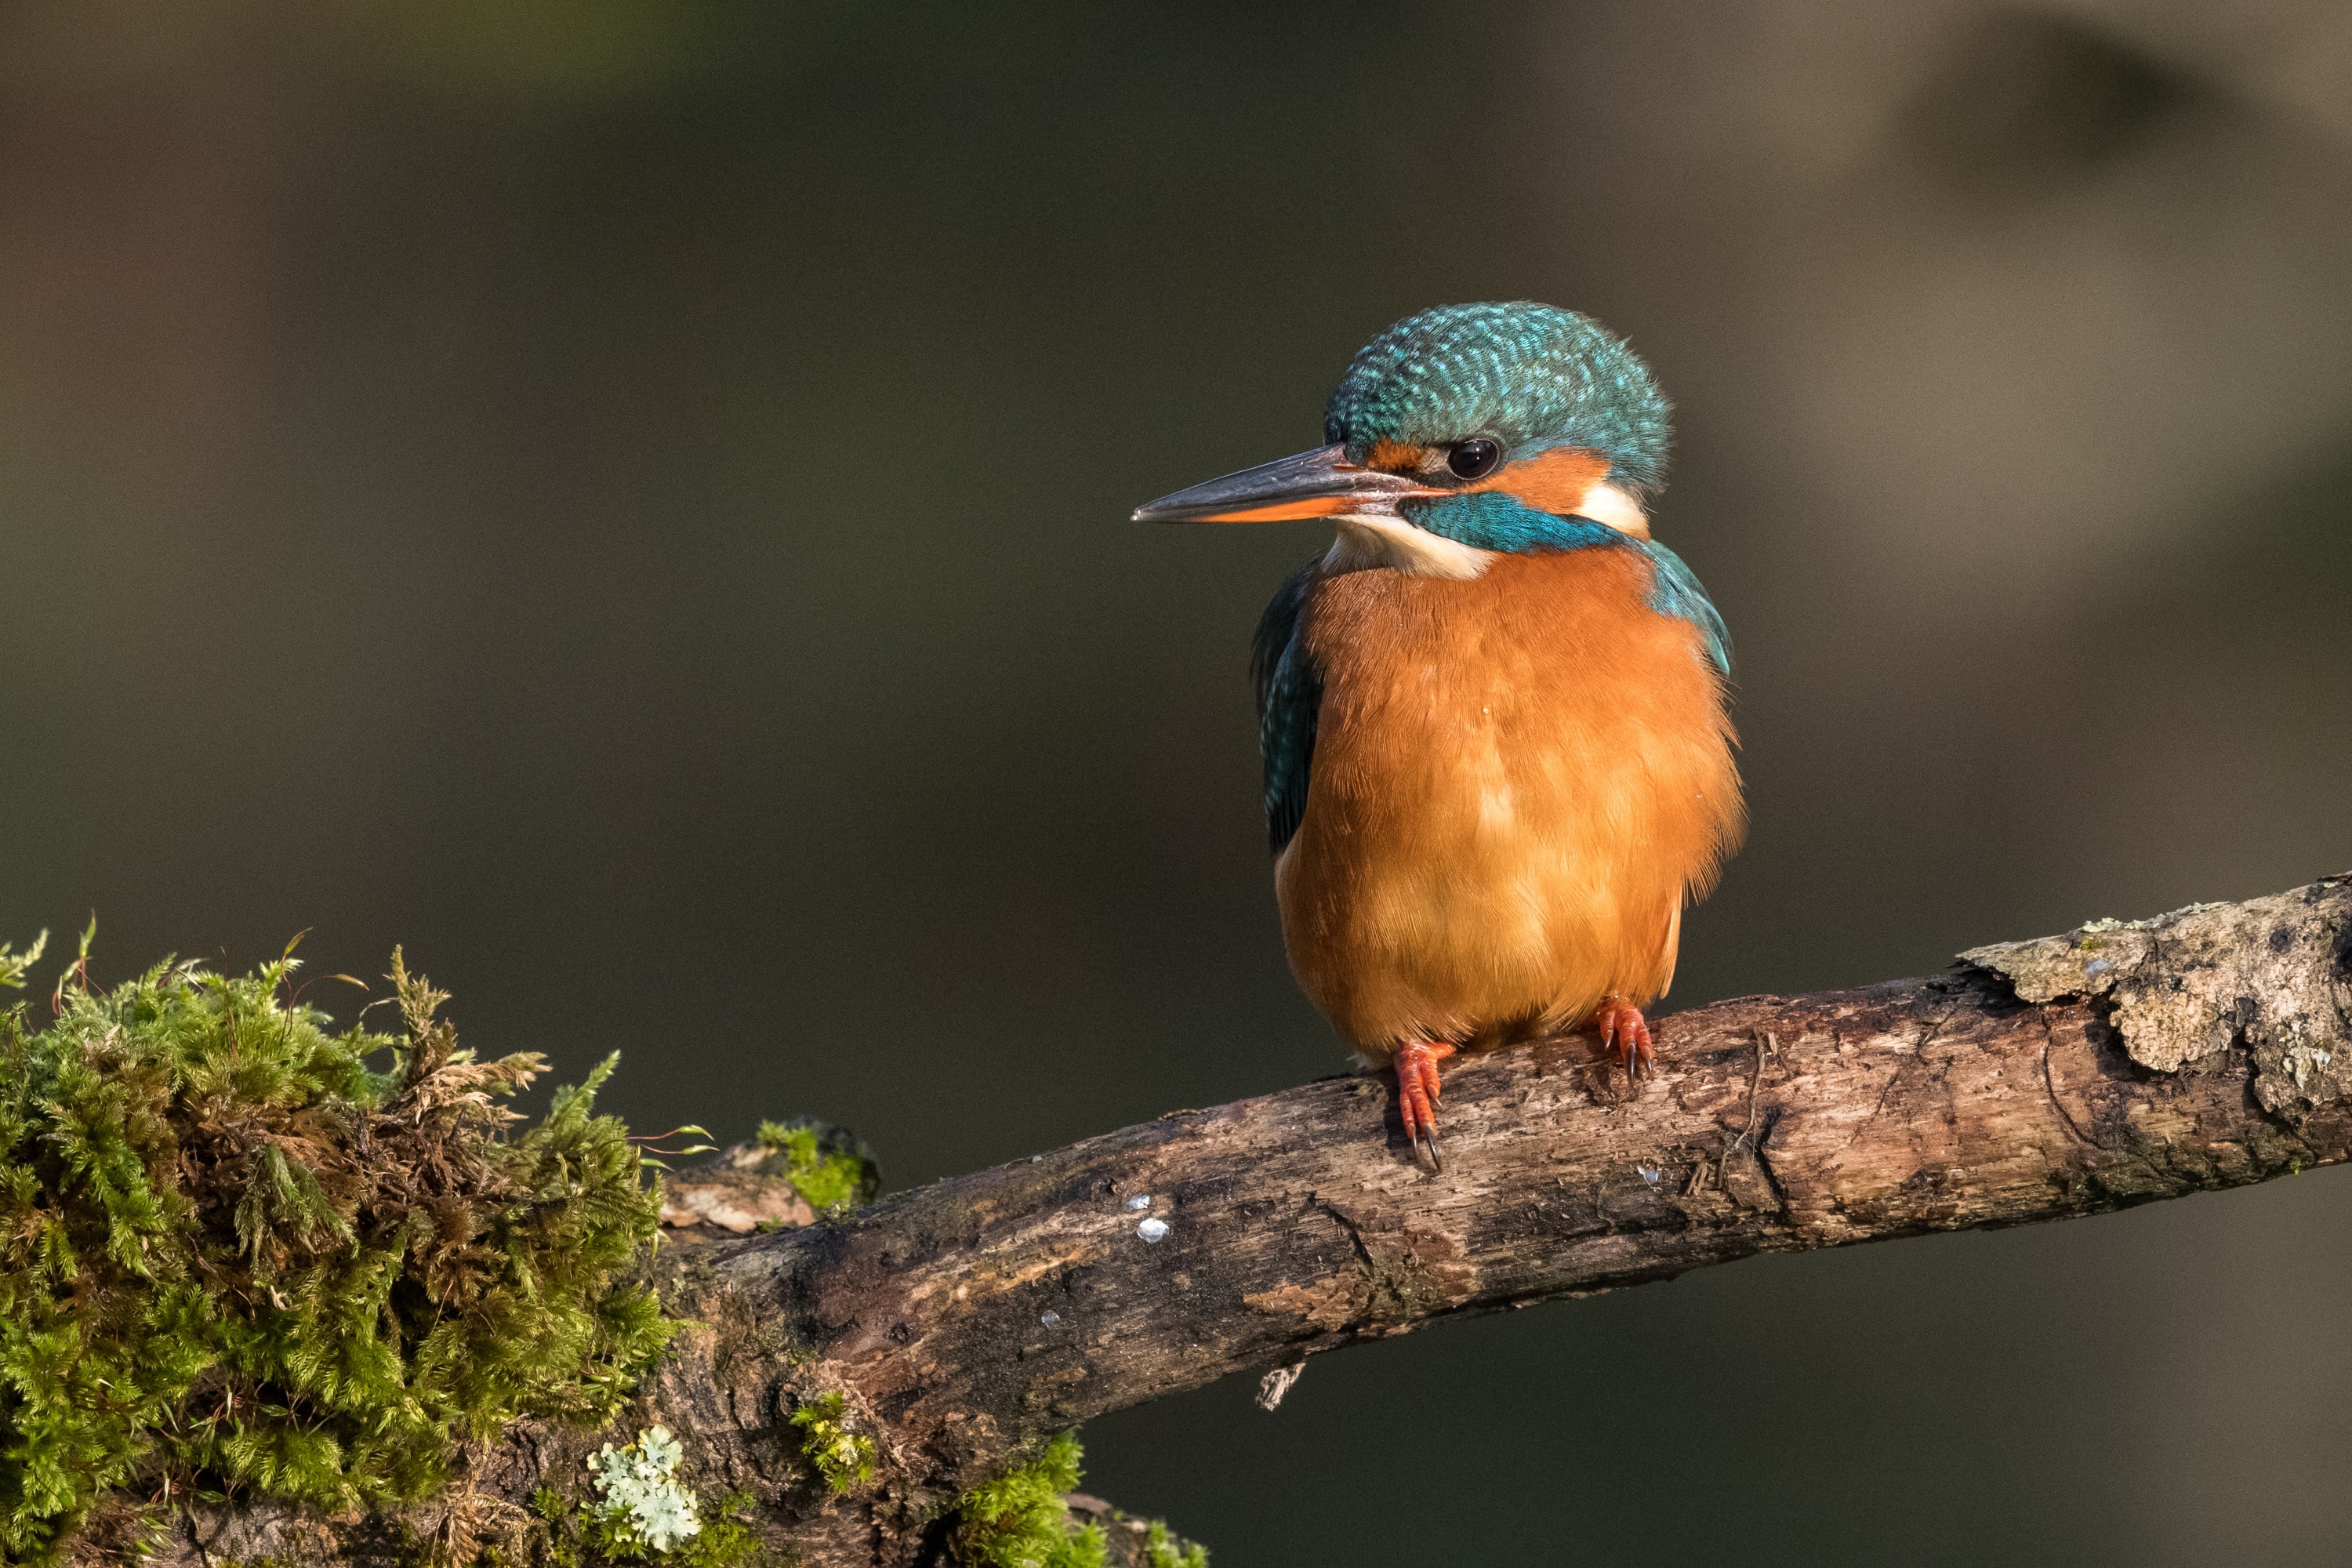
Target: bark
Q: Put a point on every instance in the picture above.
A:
(967, 1321)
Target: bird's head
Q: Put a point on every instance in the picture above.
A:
(1460, 432)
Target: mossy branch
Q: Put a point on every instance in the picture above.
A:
(946, 1336)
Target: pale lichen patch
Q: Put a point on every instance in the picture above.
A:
(641, 1498)
(2190, 983)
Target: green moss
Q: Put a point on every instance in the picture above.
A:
(236, 1259)
(13, 964)
(1161, 1551)
(1020, 1521)
(828, 1166)
(727, 1539)
(842, 1458)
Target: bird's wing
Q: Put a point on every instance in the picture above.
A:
(1677, 593)
(1289, 694)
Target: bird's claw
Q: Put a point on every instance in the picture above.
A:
(1417, 1093)
(1626, 1035)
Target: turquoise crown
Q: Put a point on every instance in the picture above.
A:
(1528, 375)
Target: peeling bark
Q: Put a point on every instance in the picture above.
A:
(966, 1322)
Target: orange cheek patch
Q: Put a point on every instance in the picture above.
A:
(1395, 457)
(1554, 481)
(1286, 510)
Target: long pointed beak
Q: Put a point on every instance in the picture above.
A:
(1320, 483)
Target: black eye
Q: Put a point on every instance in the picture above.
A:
(1473, 458)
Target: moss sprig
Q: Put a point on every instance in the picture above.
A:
(826, 1164)
(13, 964)
(1020, 1519)
(842, 1457)
(1160, 1549)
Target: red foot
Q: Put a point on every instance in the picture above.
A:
(1416, 1069)
(1623, 1033)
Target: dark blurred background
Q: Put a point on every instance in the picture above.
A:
(628, 498)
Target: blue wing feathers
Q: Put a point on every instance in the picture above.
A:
(1289, 696)
(1677, 593)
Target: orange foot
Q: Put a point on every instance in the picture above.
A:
(1623, 1032)
(1416, 1069)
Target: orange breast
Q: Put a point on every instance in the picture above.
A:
(1518, 781)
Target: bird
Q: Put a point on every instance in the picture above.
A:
(1494, 712)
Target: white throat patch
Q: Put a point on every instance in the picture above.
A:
(1371, 539)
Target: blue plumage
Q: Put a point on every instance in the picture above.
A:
(1532, 376)
(1497, 519)
(1677, 593)
(1289, 696)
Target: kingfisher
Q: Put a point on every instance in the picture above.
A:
(1491, 714)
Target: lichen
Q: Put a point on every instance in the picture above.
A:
(843, 1458)
(826, 1164)
(578, 1537)
(238, 1260)
(2188, 985)
(640, 1503)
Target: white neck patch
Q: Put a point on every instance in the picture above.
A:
(1608, 505)
(1370, 539)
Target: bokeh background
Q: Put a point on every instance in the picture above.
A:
(628, 498)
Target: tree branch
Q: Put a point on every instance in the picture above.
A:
(966, 1322)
